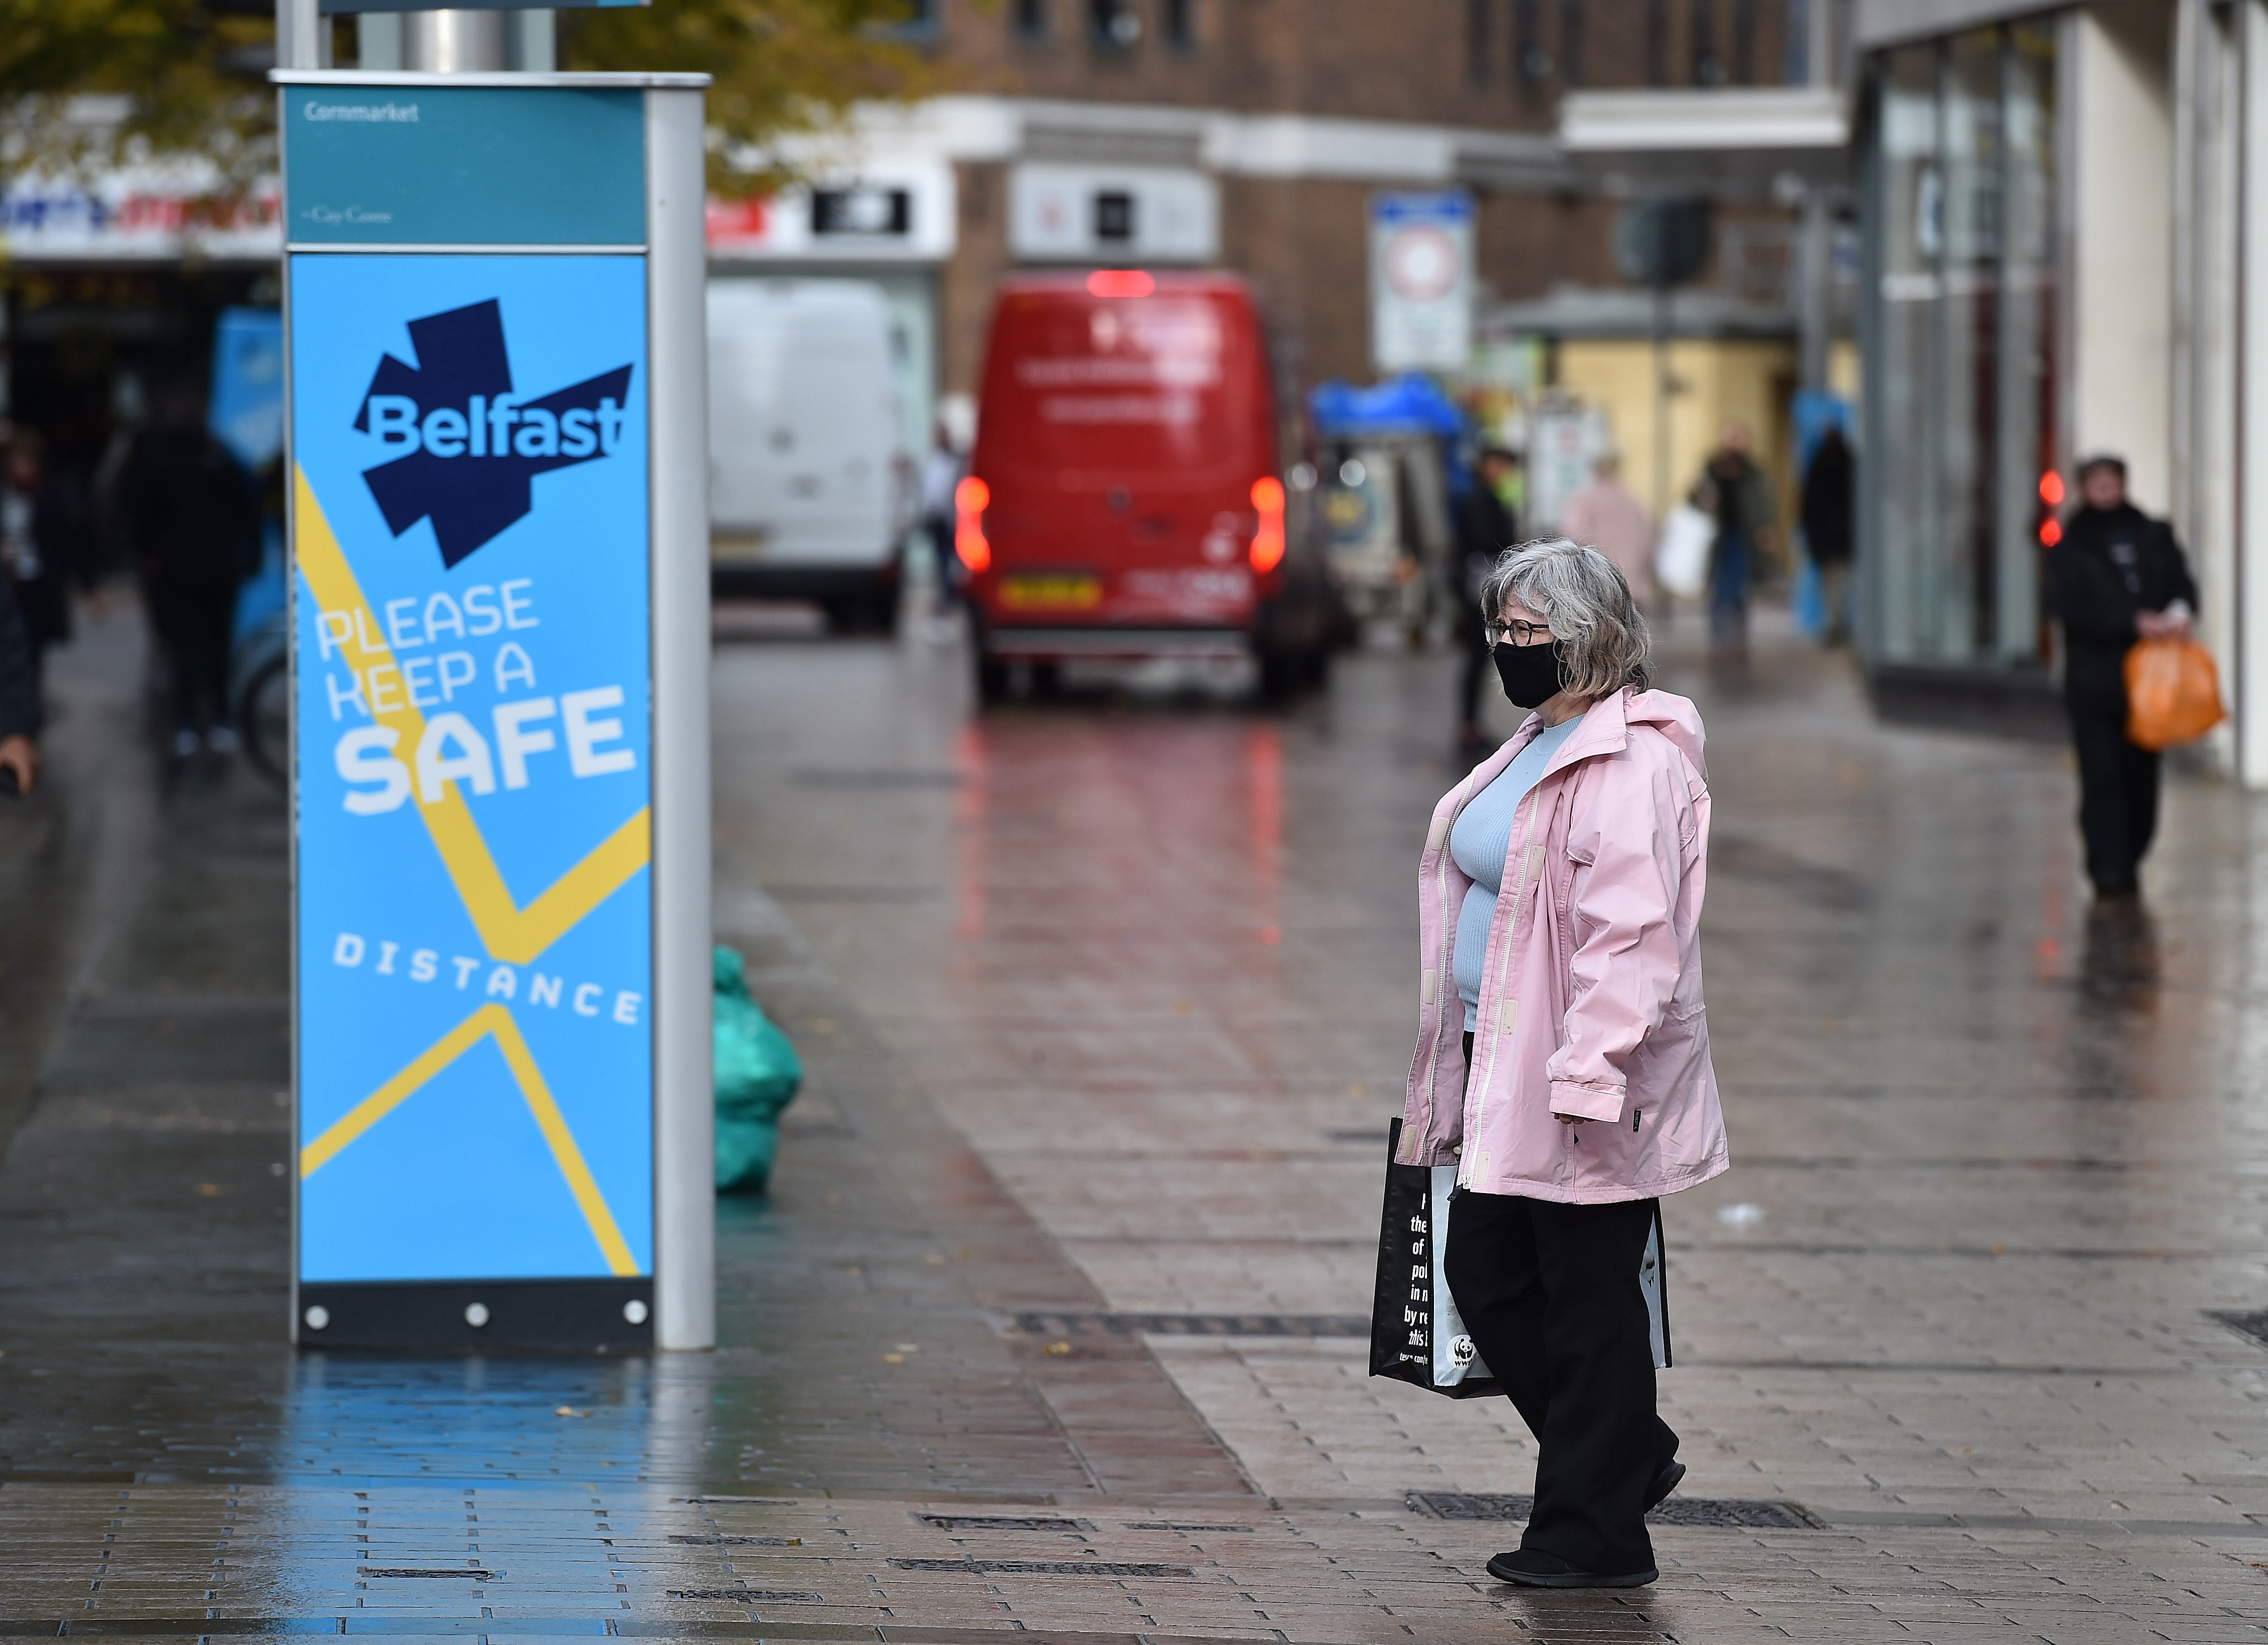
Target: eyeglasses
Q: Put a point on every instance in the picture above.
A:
(1518, 633)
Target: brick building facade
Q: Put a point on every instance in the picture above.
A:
(1293, 114)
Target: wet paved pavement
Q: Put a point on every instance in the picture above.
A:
(1105, 1005)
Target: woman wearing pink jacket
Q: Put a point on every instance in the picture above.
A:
(1563, 1055)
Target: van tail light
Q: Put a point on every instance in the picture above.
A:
(970, 499)
(1268, 541)
(1119, 282)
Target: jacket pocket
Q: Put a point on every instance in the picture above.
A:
(1664, 1106)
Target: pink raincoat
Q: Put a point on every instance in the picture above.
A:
(1591, 1001)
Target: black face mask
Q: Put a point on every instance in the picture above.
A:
(1532, 674)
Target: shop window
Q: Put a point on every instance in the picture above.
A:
(1531, 64)
(1708, 67)
(916, 19)
(1571, 41)
(1962, 357)
(1113, 24)
(1744, 42)
(1657, 42)
(1477, 40)
(1031, 20)
(1114, 218)
(1179, 22)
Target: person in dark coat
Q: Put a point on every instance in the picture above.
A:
(39, 543)
(2115, 577)
(1827, 487)
(20, 702)
(190, 517)
(1486, 526)
(1738, 496)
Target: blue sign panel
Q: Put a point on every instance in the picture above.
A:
(463, 166)
(468, 436)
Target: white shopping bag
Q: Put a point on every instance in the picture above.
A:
(1681, 559)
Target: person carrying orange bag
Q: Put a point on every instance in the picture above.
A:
(2115, 577)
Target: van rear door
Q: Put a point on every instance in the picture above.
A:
(1119, 439)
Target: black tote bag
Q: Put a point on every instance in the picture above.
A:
(1416, 1333)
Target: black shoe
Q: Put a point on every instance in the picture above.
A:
(1533, 1568)
(1664, 1483)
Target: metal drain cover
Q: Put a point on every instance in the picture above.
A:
(1042, 1568)
(1001, 1522)
(1678, 1511)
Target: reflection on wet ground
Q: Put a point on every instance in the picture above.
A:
(1105, 1002)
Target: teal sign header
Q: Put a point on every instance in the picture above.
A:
(463, 166)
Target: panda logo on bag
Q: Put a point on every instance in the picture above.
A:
(1461, 1351)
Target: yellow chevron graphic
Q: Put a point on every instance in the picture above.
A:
(514, 935)
(489, 1020)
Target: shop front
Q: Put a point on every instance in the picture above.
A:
(1960, 327)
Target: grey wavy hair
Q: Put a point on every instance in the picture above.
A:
(1583, 595)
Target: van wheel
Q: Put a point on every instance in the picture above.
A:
(1281, 675)
(991, 680)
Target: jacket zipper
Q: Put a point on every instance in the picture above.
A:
(1477, 1100)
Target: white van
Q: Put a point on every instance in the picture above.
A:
(808, 480)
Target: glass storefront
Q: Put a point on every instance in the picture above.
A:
(1958, 193)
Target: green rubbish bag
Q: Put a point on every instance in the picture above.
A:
(757, 1075)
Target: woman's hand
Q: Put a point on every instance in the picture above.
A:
(1568, 1119)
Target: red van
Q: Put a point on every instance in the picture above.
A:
(1127, 495)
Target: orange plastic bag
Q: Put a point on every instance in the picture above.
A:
(2173, 693)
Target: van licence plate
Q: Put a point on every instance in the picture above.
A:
(1052, 590)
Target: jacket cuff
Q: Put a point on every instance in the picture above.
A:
(1416, 1149)
(1586, 1101)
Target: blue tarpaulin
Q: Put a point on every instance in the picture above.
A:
(1409, 404)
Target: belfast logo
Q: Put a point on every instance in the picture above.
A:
(463, 448)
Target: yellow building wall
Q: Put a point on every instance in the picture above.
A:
(1714, 380)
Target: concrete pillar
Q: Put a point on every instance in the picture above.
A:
(2249, 690)
(2119, 123)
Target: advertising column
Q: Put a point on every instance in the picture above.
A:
(481, 384)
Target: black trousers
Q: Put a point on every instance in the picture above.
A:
(1550, 1294)
(2118, 791)
(196, 619)
(1472, 638)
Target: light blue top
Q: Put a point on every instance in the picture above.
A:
(1478, 844)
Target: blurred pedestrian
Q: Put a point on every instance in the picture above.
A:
(2115, 577)
(190, 515)
(1583, 1088)
(940, 475)
(1734, 491)
(1608, 516)
(38, 546)
(19, 700)
(1486, 526)
(1827, 499)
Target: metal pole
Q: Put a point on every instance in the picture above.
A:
(454, 42)
(1661, 402)
(298, 34)
(684, 1164)
(1814, 270)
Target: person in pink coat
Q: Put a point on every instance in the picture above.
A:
(1608, 515)
(1563, 1052)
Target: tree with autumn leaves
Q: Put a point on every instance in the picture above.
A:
(92, 80)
